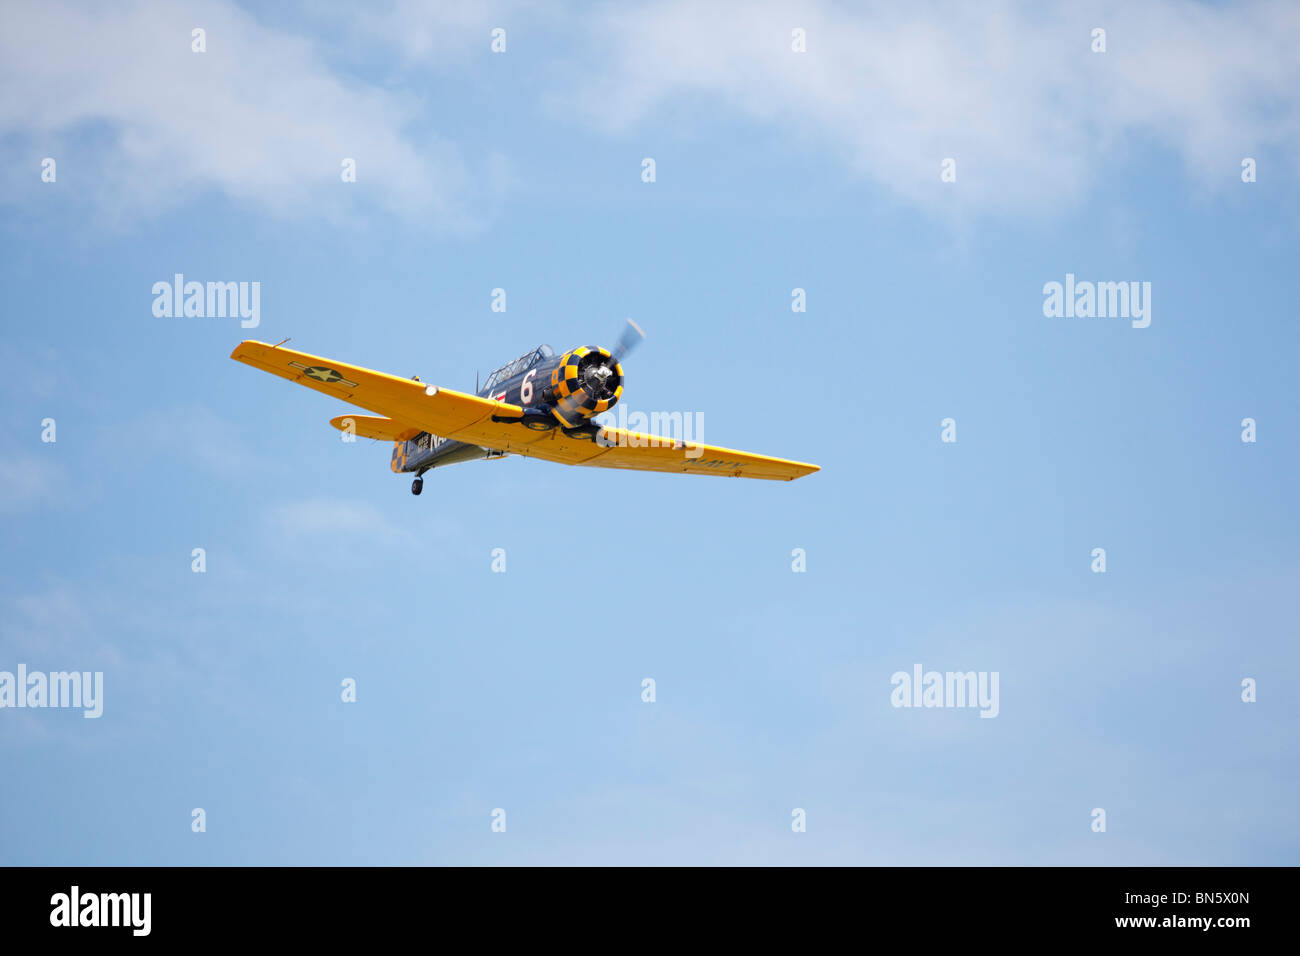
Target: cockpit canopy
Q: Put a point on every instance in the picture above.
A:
(519, 365)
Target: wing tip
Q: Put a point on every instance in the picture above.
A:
(244, 347)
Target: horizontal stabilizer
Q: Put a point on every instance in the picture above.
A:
(372, 426)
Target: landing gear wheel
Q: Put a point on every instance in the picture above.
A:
(417, 486)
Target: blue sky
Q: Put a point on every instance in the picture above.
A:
(775, 170)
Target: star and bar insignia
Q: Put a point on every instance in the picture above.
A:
(322, 374)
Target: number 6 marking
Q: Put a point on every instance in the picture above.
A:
(526, 388)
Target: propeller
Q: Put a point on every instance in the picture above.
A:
(597, 375)
(632, 337)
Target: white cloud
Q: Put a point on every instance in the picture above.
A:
(133, 116)
(1012, 92)
(441, 35)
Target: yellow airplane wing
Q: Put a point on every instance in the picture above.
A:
(407, 403)
(651, 453)
(438, 410)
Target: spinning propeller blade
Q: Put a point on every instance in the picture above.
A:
(632, 337)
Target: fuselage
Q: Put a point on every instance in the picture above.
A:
(518, 383)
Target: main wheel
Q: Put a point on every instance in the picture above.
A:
(417, 486)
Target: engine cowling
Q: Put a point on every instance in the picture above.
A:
(587, 381)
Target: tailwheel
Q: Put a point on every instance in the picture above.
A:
(417, 486)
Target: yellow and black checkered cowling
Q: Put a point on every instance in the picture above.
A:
(581, 377)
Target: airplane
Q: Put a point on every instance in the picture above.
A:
(540, 406)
